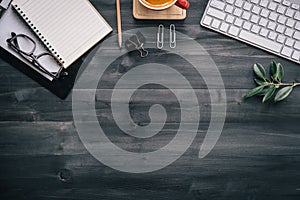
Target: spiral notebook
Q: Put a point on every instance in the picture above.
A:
(68, 28)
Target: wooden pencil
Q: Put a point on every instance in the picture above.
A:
(119, 23)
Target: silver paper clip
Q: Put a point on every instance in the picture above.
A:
(160, 36)
(172, 36)
(136, 42)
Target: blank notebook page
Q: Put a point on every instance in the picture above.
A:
(68, 28)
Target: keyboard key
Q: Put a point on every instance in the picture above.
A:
(296, 35)
(224, 27)
(264, 32)
(282, 19)
(229, 9)
(289, 42)
(264, 12)
(207, 20)
(297, 26)
(218, 4)
(255, 1)
(229, 19)
(288, 32)
(286, 3)
(271, 25)
(281, 39)
(254, 18)
(263, 22)
(230, 1)
(278, 1)
(246, 15)
(281, 9)
(239, 3)
(233, 30)
(247, 25)
(297, 16)
(287, 51)
(296, 55)
(216, 23)
(264, 3)
(237, 12)
(295, 6)
(255, 9)
(238, 22)
(297, 45)
(216, 13)
(272, 6)
(255, 29)
(261, 41)
(280, 29)
(290, 12)
(273, 16)
(272, 35)
(290, 22)
(247, 6)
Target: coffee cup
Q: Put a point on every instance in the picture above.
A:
(164, 4)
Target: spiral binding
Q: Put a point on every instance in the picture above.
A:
(39, 34)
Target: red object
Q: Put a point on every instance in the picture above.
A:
(183, 4)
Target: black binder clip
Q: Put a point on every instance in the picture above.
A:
(136, 42)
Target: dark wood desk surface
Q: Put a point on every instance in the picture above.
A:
(257, 156)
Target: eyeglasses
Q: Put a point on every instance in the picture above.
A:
(26, 46)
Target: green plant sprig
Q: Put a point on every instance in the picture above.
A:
(268, 87)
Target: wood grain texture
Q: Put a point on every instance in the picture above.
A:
(257, 156)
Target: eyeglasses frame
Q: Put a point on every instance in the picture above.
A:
(13, 43)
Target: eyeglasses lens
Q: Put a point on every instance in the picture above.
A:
(49, 62)
(24, 44)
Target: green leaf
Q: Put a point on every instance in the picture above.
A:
(259, 82)
(259, 71)
(269, 93)
(263, 92)
(273, 68)
(283, 93)
(254, 91)
(279, 72)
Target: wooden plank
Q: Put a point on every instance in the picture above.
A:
(37, 105)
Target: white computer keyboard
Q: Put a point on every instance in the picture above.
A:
(272, 25)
